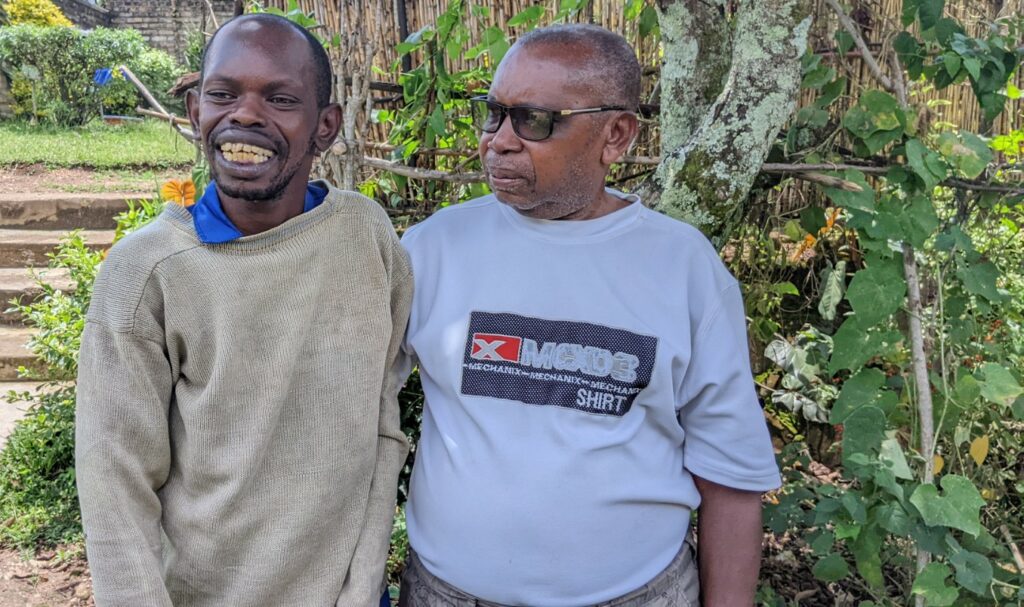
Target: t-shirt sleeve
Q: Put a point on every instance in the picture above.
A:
(726, 440)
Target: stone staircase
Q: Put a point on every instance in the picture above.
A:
(31, 225)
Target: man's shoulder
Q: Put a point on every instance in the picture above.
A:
(451, 217)
(355, 205)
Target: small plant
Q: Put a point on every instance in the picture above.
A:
(38, 497)
(35, 12)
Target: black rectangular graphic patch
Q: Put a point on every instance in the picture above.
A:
(576, 365)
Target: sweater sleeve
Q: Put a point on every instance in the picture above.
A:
(122, 458)
(365, 580)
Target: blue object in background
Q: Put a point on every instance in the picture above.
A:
(102, 76)
(385, 599)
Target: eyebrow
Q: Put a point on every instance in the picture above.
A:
(273, 85)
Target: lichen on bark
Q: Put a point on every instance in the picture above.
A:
(706, 179)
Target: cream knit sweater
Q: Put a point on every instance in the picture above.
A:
(238, 436)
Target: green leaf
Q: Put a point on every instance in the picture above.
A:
(633, 8)
(863, 432)
(648, 21)
(528, 16)
(876, 292)
(812, 219)
(833, 281)
(929, 12)
(863, 388)
(999, 386)
(892, 455)
(863, 200)
(854, 345)
(973, 571)
(957, 507)
(876, 120)
(844, 41)
(951, 61)
(973, 67)
(832, 568)
(931, 584)
(926, 163)
(980, 279)
(910, 11)
(968, 153)
(823, 542)
(1018, 408)
(867, 551)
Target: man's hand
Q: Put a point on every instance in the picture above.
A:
(729, 544)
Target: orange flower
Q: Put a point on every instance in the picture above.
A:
(180, 192)
(804, 250)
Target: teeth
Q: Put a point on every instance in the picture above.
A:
(245, 153)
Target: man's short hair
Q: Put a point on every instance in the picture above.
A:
(613, 72)
(321, 62)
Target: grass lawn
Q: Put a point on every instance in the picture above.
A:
(96, 145)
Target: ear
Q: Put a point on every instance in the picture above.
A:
(620, 133)
(192, 109)
(328, 125)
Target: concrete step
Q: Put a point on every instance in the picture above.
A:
(60, 211)
(14, 353)
(12, 411)
(19, 284)
(28, 248)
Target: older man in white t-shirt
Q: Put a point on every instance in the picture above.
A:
(584, 361)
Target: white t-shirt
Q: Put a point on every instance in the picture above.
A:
(576, 373)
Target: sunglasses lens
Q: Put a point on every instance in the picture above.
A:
(531, 123)
(486, 116)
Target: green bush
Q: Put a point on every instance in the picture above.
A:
(38, 498)
(64, 61)
(33, 12)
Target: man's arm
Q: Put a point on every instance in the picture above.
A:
(364, 582)
(729, 533)
(122, 457)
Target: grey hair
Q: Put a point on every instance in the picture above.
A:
(612, 69)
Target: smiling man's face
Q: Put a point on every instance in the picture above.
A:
(257, 113)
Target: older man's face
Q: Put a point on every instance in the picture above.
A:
(563, 174)
(257, 113)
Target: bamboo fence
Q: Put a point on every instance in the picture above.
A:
(385, 23)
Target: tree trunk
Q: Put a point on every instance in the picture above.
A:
(706, 173)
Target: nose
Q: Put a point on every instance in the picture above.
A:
(503, 140)
(247, 111)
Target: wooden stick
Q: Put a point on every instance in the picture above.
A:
(130, 77)
(1018, 559)
(415, 173)
(167, 117)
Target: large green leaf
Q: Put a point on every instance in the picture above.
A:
(968, 153)
(998, 385)
(973, 571)
(876, 120)
(926, 164)
(853, 345)
(876, 292)
(832, 568)
(833, 285)
(863, 200)
(891, 454)
(863, 388)
(929, 12)
(919, 220)
(931, 584)
(867, 552)
(863, 432)
(980, 279)
(957, 507)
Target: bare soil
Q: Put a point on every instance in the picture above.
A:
(50, 578)
(40, 178)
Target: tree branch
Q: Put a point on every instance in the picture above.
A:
(858, 40)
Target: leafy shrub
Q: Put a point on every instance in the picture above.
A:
(195, 41)
(38, 498)
(35, 12)
(66, 60)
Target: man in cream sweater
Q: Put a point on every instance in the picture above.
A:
(238, 437)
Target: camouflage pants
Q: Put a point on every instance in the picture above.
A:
(676, 586)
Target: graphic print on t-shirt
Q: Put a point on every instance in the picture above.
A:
(576, 365)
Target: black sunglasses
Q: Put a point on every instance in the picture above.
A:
(529, 123)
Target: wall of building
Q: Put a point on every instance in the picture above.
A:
(165, 24)
(84, 14)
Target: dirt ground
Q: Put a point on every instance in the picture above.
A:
(39, 178)
(51, 578)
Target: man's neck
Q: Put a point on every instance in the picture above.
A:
(253, 217)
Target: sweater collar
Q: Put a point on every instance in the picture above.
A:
(212, 224)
